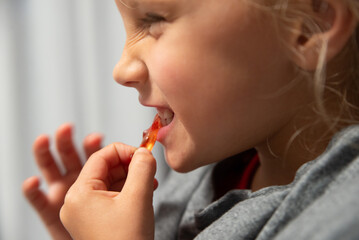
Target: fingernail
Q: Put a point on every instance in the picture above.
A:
(95, 136)
(142, 150)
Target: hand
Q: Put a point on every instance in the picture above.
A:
(48, 205)
(107, 202)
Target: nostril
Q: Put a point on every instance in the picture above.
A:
(130, 72)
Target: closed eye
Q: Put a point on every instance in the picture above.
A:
(152, 18)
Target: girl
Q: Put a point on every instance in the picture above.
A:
(258, 101)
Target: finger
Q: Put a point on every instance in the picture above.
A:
(34, 195)
(45, 160)
(92, 143)
(106, 166)
(66, 148)
(141, 176)
(155, 184)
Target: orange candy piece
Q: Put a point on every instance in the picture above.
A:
(150, 135)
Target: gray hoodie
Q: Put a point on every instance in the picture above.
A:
(321, 203)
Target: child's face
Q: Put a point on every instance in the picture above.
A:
(217, 65)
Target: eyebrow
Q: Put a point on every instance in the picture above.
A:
(131, 5)
(134, 3)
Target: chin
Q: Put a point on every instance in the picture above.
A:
(182, 162)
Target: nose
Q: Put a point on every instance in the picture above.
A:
(130, 71)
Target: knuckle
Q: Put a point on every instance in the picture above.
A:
(66, 149)
(72, 201)
(64, 215)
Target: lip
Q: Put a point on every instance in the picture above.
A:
(164, 131)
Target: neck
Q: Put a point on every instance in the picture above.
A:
(282, 154)
(307, 135)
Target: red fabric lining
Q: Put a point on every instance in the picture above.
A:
(236, 172)
(247, 176)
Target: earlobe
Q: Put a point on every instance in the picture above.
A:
(334, 25)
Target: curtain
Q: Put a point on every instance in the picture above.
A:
(56, 61)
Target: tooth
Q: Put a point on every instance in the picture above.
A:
(166, 116)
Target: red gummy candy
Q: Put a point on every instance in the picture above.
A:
(150, 135)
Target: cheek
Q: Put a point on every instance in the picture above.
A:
(208, 86)
(165, 70)
(174, 75)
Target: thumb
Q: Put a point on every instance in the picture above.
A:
(141, 174)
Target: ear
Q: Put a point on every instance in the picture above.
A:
(337, 24)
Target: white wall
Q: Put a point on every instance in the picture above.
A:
(56, 61)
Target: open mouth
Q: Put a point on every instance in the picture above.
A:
(166, 116)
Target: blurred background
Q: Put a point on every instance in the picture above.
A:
(56, 61)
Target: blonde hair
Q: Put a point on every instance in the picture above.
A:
(338, 77)
(344, 83)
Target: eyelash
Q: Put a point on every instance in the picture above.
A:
(152, 18)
